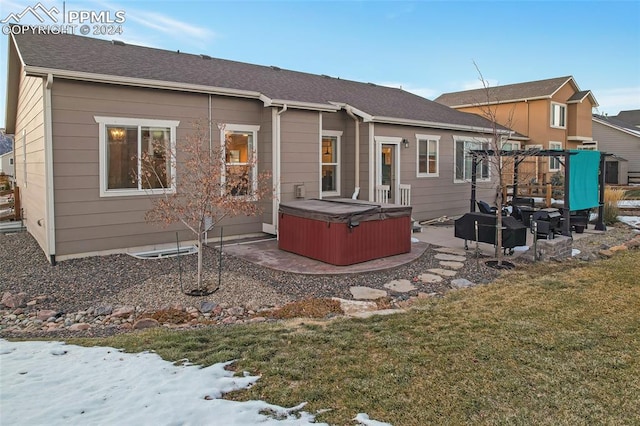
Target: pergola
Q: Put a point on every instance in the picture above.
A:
(563, 156)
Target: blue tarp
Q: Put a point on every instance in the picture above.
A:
(583, 180)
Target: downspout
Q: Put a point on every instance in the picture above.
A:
(356, 123)
(276, 141)
(48, 164)
(210, 128)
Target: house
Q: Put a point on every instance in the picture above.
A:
(82, 108)
(629, 117)
(621, 139)
(550, 114)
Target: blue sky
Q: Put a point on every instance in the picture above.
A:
(427, 47)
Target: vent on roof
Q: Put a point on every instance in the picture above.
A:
(205, 56)
(371, 84)
(117, 43)
(325, 76)
(273, 67)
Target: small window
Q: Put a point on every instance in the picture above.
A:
(428, 161)
(11, 161)
(330, 163)
(558, 115)
(240, 159)
(127, 146)
(463, 159)
(554, 162)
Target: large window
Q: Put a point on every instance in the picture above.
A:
(330, 163)
(463, 159)
(135, 156)
(240, 144)
(427, 146)
(558, 115)
(554, 162)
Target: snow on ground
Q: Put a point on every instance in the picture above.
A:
(53, 383)
(628, 203)
(633, 221)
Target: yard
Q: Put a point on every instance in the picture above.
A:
(548, 344)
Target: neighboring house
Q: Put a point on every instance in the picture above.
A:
(629, 117)
(6, 153)
(82, 108)
(622, 139)
(6, 164)
(550, 114)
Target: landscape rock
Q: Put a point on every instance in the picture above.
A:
(400, 286)
(46, 314)
(236, 311)
(452, 265)
(352, 307)
(206, 307)
(430, 278)
(79, 326)
(14, 300)
(452, 257)
(461, 283)
(103, 310)
(145, 323)
(123, 311)
(443, 272)
(366, 293)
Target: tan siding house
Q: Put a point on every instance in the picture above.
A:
(78, 120)
(550, 114)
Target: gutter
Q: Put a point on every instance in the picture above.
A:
(48, 166)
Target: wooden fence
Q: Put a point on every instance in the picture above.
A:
(11, 200)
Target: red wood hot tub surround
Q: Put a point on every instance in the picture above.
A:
(343, 231)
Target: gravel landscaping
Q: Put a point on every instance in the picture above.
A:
(97, 286)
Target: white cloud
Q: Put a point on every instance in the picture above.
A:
(619, 99)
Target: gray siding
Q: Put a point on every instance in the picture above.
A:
(30, 123)
(300, 153)
(617, 142)
(433, 197)
(85, 222)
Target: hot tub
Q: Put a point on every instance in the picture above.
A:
(344, 231)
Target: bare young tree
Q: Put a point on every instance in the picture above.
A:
(492, 153)
(210, 187)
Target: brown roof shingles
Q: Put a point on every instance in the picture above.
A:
(95, 56)
(509, 92)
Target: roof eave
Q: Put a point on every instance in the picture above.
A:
(613, 126)
(437, 125)
(507, 101)
(140, 82)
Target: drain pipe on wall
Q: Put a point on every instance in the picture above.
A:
(275, 166)
(48, 167)
(356, 122)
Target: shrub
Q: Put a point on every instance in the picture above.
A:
(611, 198)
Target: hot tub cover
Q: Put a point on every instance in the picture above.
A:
(343, 210)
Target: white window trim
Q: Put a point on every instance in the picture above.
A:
(338, 135)
(456, 139)
(588, 146)
(551, 121)
(247, 128)
(436, 139)
(554, 145)
(103, 122)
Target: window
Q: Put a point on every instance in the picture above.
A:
(463, 159)
(330, 162)
(558, 115)
(554, 162)
(240, 173)
(127, 145)
(427, 155)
